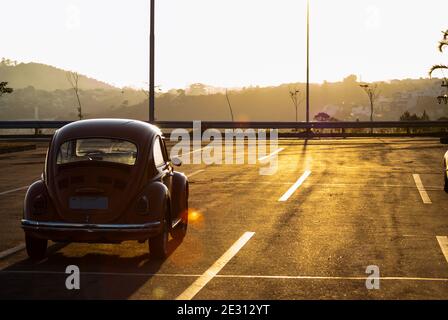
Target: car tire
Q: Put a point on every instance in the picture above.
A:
(36, 248)
(158, 246)
(180, 231)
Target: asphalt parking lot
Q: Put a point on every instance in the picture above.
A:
(310, 231)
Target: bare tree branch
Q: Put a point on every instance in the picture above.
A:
(73, 79)
(230, 106)
(294, 94)
(373, 92)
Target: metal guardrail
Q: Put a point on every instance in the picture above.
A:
(304, 125)
(246, 125)
(33, 124)
(296, 129)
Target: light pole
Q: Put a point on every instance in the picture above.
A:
(308, 61)
(151, 64)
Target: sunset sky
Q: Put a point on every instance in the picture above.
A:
(230, 43)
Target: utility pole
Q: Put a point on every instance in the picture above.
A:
(151, 65)
(308, 61)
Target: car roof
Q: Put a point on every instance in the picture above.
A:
(135, 131)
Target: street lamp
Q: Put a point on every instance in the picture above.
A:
(151, 64)
(308, 61)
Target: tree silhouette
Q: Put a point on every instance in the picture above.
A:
(230, 106)
(73, 79)
(294, 94)
(324, 117)
(442, 44)
(4, 89)
(407, 116)
(373, 92)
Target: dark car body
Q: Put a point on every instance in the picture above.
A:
(445, 164)
(123, 189)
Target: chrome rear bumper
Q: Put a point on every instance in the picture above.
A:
(92, 227)
(79, 232)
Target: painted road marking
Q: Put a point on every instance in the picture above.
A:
(293, 189)
(329, 278)
(11, 251)
(443, 242)
(117, 274)
(13, 190)
(267, 277)
(271, 155)
(194, 151)
(208, 275)
(195, 173)
(421, 189)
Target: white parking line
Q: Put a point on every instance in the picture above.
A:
(421, 189)
(208, 275)
(194, 151)
(13, 190)
(271, 155)
(11, 251)
(329, 278)
(112, 274)
(225, 276)
(293, 189)
(195, 173)
(443, 242)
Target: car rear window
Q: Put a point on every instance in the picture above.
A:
(98, 149)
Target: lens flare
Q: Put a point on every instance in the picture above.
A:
(195, 216)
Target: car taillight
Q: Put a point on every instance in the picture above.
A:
(142, 206)
(40, 205)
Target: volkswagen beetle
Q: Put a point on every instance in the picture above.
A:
(106, 181)
(445, 164)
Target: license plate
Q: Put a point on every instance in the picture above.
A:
(89, 203)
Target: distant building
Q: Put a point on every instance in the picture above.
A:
(333, 110)
(197, 89)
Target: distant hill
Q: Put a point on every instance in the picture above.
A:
(43, 77)
(43, 92)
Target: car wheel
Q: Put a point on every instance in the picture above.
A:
(36, 248)
(158, 246)
(180, 231)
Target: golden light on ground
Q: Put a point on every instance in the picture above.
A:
(194, 216)
(159, 293)
(195, 221)
(195, 254)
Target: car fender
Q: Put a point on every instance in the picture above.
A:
(35, 190)
(179, 195)
(158, 195)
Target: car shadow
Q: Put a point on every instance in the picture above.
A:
(107, 274)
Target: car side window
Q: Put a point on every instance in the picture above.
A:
(159, 160)
(165, 151)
